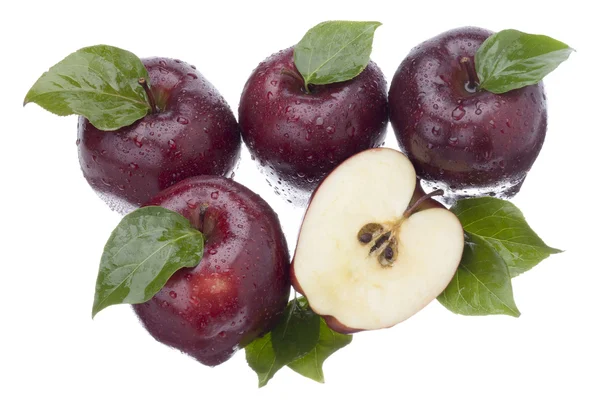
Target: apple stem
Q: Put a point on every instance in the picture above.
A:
(469, 68)
(412, 208)
(296, 76)
(149, 94)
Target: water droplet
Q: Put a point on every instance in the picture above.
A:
(172, 294)
(288, 109)
(435, 106)
(172, 144)
(269, 95)
(77, 142)
(492, 123)
(274, 82)
(193, 76)
(163, 63)
(319, 121)
(163, 71)
(212, 252)
(458, 113)
(435, 130)
(222, 334)
(214, 195)
(138, 141)
(453, 140)
(350, 129)
(183, 120)
(133, 165)
(330, 130)
(508, 123)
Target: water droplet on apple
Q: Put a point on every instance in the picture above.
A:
(138, 141)
(269, 95)
(172, 294)
(193, 76)
(214, 195)
(319, 121)
(288, 109)
(350, 129)
(77, 142)
(453, 140)
(435, 130)
(183, 120)
(193, 66)
(133, 165)
(274, 82)
(330, 130)
(435, 106)
(458, 113)
(493, 123)
(172, 144)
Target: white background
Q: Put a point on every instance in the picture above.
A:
(54, 226)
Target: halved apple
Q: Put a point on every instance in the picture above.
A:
(373, 248)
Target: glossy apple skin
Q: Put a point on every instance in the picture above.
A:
(298, 138)
(330, 320)
(466, 143)
(241, 286)
(195, 134)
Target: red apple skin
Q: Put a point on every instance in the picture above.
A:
(242, 284)
(460, 141)
(195, 134)
(298, 138)
(332, 322)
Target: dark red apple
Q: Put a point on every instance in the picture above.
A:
(468, 142)
(241, 286)
(193, 133)
(300, 137)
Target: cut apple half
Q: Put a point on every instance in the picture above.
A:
(373, 248)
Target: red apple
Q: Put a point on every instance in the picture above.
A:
(299, 137)
(241, 286)
(193, 133)
(469, 142)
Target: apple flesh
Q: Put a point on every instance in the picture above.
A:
(194, 133)
(372, 250)
(298, 137)
(241, 286)
(468, 142)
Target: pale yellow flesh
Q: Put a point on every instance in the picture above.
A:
(334, 269)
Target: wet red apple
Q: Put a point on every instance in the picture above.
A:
(193, 132)
(241, 286)
(299, 137)
(466, 141)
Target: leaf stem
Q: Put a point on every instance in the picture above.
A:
(417, 203)
(293, 74)
(151, 100)
(469, 68)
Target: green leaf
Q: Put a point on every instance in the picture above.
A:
(482, 283)
(294, 336)
(334, 51)
(98, 82)
(261, 357)
(502, 225)
(511, 59)
(311, 364)
(143, 252)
